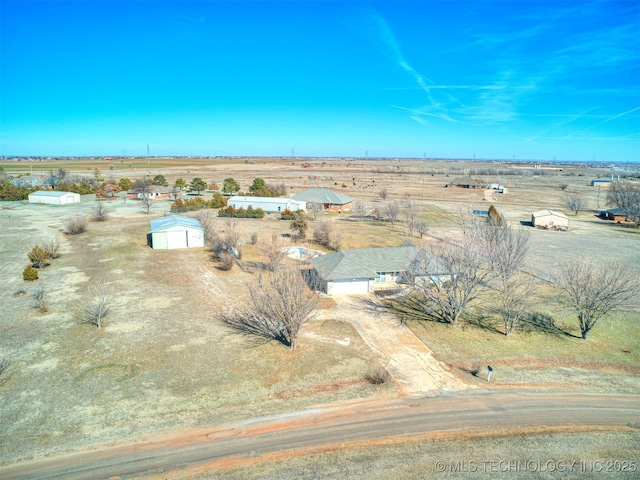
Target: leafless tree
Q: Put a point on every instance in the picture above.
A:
(421, 228)
(450, 277)
(326, 234)
(511, 300)
(75, 225)
(410, 210)
(626, 196)
(563, 186)
(207, 220)
(281, 303)
(596, 290)
(392, 211)
(100, 212)
(383, 193)
(95, 303)
(575, 203)
(359, 208)
(273, 251)
(147, 203)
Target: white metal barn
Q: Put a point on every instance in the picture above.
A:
(52, 197)
(268, 204)
(549, 218)
(176, 232)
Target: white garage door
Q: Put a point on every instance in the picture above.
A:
(349, 286)
(176, 239)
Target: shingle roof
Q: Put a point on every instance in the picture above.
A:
(173, 221)
(324, 196)
(364, 262)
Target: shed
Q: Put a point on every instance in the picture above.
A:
(357, 270)
(601, 183)
(268, 204)
(326, 199)
(52, 197)
(549, 219)
(615, 214)
(175, 232)
(466, 182)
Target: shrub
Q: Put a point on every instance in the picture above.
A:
(75, 225)
(51, 245)
(378, 376)
(226, 260)
(287, 215)
(29, 273)
(39, 257)
(254, 238)
(40, 296)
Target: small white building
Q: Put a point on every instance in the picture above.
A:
(549, 219)
(53, 197)
(175, 232)
(268, 204)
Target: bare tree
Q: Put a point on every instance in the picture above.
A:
(626, 196)
(359, 208)
(326, 234)
(95, 303)
(392, 211)
(450, 277)
(383, 193)
(596, 290)
(100, 212)
(281, 303)
(207, 220)
(147, 203)
(421, 227)
(575, 203)
(273, 251)
(563, 186)
(410, 210)
(512, 299)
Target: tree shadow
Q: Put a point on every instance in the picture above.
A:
(411, 307)
(485, 322)
(533, 322)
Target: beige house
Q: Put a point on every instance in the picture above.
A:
(549, 219)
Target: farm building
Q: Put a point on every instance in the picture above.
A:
(615, 214)
(155, 192)
(51, 197)
(466, 182)
(549, 219)
(601, 183)
(326, 199)
(357, 270)
(175, 232)
(268, 204)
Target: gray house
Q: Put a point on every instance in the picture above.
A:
(358, 270)
(326, 199)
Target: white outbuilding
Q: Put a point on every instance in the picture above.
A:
(176, 232)
(549, 219)
(53, 197)
(268, 204)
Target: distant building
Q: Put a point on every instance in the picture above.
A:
(268, 204)
(600, 183)
(549, 219)
(175, 231)
(325, 199)
(466, 182)
(52, 197)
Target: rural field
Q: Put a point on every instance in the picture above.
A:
(162, 361)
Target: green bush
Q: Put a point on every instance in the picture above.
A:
(29, 273)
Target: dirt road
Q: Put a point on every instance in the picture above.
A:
(360, 422)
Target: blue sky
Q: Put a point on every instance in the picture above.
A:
(498, 80)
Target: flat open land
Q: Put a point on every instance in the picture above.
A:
(162, 361)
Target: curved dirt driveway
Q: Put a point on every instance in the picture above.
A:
(361, 422)
(409, 361)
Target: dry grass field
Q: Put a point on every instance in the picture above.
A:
(162, 362)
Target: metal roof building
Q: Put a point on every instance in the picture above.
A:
(329, 199)
(176, 231)
(54, 197)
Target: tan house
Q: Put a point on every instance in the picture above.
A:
(550, 219)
